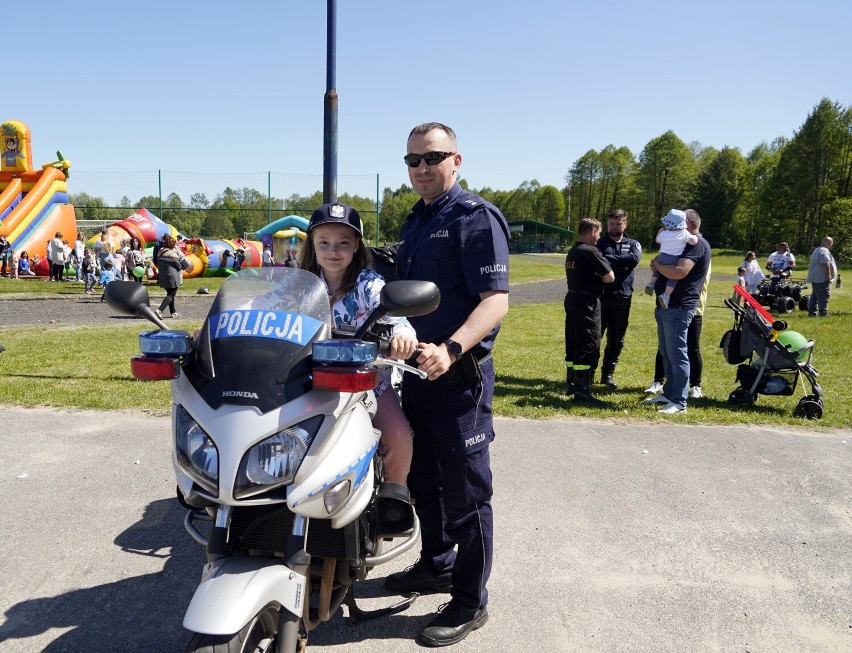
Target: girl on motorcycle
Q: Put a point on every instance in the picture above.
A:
(335, 252)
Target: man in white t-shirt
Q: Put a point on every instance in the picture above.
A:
(781, 260)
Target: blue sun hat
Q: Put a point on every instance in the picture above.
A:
(674, 219)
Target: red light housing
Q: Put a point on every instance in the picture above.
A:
(148, 368)
(345, 379)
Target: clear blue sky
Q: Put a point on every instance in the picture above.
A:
(529, 87)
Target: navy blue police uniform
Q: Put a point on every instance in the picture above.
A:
(623, 257)
(584, 268)
(460, 242)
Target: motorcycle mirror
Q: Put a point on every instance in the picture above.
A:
(131, 298)
(402, 299)
(410, 298)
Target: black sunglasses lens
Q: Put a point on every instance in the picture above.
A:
(431, 158)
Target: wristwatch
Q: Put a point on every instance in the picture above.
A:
(453, 347)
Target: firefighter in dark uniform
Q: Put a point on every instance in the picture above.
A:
(623, 255)
(461, 243)
(587, 271)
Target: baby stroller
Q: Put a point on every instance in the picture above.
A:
(769, 358)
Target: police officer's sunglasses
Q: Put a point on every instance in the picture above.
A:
(431, 158)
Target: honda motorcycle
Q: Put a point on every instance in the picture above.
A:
(275, 453)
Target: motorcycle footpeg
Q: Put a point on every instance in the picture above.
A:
(394, 512)
(356, 614)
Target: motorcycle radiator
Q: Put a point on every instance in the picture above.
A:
(263, 530)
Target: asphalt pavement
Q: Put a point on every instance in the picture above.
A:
(610, 536)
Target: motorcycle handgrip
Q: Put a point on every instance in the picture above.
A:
(413, 360)
(384, 349)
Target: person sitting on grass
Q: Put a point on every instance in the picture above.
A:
(25, 268)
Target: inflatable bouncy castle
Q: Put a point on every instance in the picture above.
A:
(33, 203)
(209, 257)
(34, 207)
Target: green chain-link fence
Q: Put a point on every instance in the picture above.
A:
(215, 205)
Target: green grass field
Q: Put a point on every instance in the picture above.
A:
(86, 366)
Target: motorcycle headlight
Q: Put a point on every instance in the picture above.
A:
(196, 453)
(273, 462)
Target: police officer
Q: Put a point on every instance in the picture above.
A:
(461, 243)
(623, 255)
(587, 271)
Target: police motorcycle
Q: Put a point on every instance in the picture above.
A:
(275, 454)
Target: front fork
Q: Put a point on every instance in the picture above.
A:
(217, 545)
(298, 560)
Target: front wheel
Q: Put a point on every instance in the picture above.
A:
(785, 305)
(258, 636)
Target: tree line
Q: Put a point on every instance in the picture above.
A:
(797, 189)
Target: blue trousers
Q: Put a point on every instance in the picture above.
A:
(818, 301)
(450, 478)
(672, 327)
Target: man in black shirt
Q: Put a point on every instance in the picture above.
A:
(623, 254)
(586, 271)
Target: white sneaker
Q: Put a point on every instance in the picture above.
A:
(659, 399)
(672, 409)
(654, 389)
(695, 393)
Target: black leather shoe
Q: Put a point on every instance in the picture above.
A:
(418, 578)
(607, 380)
(586, 397)
(453, 623)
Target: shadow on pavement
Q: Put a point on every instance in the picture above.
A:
(143, 613)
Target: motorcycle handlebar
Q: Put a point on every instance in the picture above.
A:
(383, 349)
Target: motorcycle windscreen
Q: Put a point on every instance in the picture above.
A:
(255, 345)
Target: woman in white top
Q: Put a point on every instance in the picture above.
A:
(753, 273)
(79, 250)
(57, 257)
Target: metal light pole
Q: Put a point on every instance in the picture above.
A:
(569, 205)
(329, 152)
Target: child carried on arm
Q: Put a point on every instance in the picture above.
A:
(673, 238)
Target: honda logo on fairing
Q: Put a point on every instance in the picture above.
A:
(240, 393)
